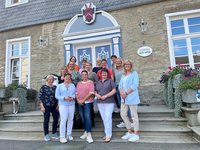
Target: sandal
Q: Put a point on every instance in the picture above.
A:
(107, 140)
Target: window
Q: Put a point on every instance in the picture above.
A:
(18, 61)
(10, 3)
(184, 37)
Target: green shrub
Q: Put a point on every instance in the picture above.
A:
(190, 83)
(14, 86)
(31, 94)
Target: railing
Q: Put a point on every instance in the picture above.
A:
(15, 104)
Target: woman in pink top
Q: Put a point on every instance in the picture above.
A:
(85, 92)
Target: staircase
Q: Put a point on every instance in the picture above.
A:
(157, 125)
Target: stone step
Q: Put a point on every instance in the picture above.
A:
(98, 121)
(144, 129)
(196, 132)
(143, 111)
(35, 136)
(2, 115)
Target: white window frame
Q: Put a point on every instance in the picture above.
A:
(175, 16)
(9, 3)
(8, 79)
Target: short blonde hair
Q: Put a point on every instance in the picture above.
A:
(131, 63)
(49, 76)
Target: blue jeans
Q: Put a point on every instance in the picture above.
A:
(86, 116)
(118, 96)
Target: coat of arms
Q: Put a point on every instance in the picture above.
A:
(89, 12)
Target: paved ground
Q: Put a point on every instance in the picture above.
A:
(35, 145)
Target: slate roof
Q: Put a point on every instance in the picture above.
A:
(43, 11)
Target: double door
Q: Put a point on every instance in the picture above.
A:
(92, 52)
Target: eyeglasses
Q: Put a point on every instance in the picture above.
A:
(127, 64)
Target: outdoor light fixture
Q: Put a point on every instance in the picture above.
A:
(142, 26)
(43, 42)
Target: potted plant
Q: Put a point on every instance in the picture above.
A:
(190, 86)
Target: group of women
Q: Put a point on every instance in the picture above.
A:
(84, 85)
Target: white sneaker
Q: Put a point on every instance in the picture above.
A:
(89, 138)
(127, 136)
(63, 140)
(47, 137)
(134, 138)
(121, 125)
(70, 138)
(54, 137)
(84, 136)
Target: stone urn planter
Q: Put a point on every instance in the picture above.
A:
(192, 114)
(189, 97)
(191, 111)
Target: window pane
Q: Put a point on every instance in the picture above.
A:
(180, 47)
(197, 59)
(196, 49)
(192, 21)
(24, 48)
(15, 1)
(194, 28)
(14, 70)
(15, 49)
(180, 51)
(182, 60)
(195, 41)
(24, 73)
(177, 31)
(180, 43)
(177, 23)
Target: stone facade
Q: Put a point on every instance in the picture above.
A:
(51, 58)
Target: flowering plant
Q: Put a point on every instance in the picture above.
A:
(175, 70)
(164, 77)
(191, 79)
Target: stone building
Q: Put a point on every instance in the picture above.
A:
(37, 37)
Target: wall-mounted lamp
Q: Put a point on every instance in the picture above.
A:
(142, 25)
(43, 42)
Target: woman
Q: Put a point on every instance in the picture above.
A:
(75, 75)
(128, 88)
(118, 70)
(104, 91)
(65, 93)
(83, 63)
(91, 75)
(98, 67)
(62, 75)
(110, 71)
(84, 96)
(49, 104)
(73, 59)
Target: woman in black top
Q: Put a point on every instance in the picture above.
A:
(49, 104)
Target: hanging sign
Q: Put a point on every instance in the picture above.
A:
(144, 51)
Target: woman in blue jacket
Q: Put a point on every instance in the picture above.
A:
(128, 87)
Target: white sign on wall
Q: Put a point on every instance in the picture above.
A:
(144, 51)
